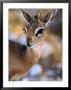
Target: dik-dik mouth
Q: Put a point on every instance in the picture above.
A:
(35, 44)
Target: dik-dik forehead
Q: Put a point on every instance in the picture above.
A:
(33, 29)
(30, 30)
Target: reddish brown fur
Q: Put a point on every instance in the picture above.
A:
(19, 65)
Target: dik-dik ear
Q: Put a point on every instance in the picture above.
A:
(40, 18)
(43, 17)
(46, 18)
(27, 17)
(50, 17)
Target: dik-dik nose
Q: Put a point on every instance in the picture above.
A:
(30, 40)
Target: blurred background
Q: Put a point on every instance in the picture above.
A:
(40, 71)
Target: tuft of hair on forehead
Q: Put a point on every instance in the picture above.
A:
(34, 22)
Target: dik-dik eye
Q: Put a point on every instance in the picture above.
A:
(25, 30)
(39, 32)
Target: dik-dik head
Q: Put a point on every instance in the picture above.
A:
(37, 26)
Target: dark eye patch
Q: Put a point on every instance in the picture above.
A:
(40, 31)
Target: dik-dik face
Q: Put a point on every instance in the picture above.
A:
(36, 28)
(34, 33)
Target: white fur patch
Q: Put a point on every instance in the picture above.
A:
(46, 49)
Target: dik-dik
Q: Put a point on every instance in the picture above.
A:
(40, 42)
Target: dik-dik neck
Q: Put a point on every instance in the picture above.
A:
(20, 61)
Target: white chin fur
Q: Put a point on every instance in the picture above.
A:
(46, 49)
